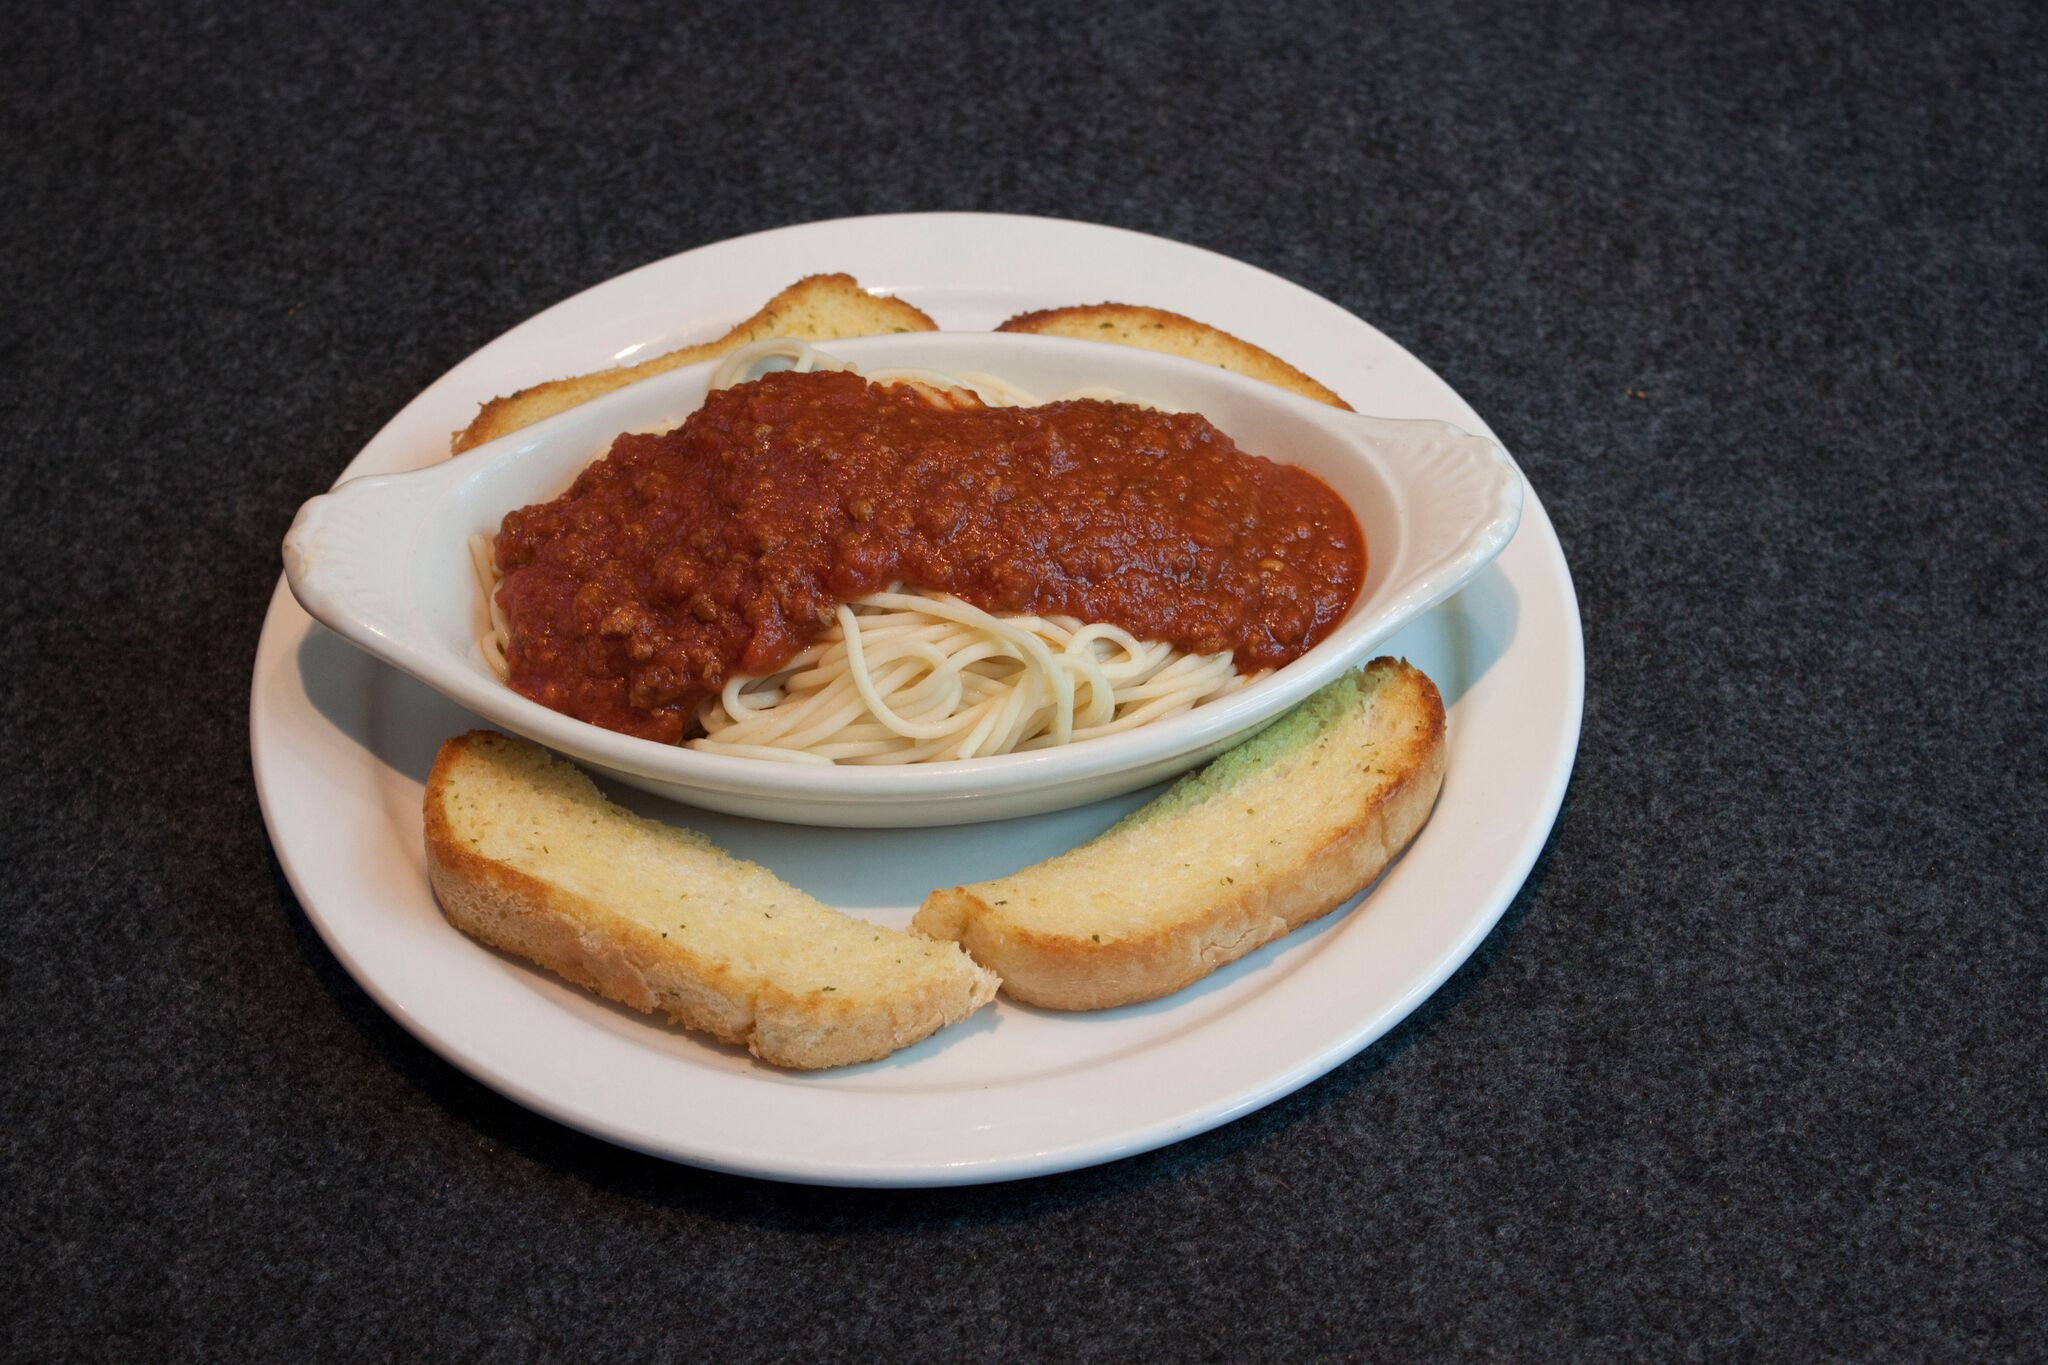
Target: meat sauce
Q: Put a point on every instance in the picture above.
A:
(724, 546)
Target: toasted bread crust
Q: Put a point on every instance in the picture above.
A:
(607, 953)
(799, 311)
(1070, 971)
(1155, 329)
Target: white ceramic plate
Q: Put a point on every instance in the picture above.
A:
(342, 745)
(384, 562)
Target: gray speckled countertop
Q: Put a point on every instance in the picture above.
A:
(1752, 1067)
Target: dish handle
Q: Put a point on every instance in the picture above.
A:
(349, 554)
(1477, 488)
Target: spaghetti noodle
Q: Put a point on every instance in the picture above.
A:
(909, 677)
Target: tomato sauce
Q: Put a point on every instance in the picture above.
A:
(725, 545)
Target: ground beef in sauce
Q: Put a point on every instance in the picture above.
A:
(724, 545)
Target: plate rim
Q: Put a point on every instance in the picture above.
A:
(1298, 1070)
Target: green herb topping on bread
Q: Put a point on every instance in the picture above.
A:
(1276, 832)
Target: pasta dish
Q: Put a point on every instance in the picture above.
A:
(821, 566)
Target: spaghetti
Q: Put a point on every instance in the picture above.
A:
(905, 675)
(909, 677)
(967, 389)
